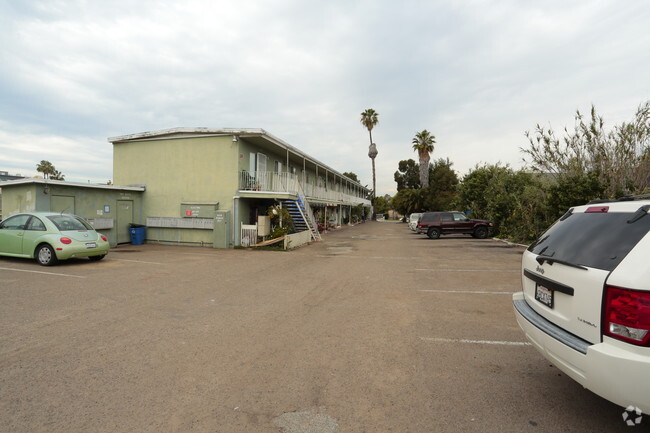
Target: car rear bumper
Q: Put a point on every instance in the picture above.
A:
(616, 371)
(71, 251)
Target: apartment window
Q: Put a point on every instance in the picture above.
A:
(252, 162)
(261, 161)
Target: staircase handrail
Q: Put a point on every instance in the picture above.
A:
(309, 218)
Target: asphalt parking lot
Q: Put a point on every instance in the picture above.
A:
(375, 329)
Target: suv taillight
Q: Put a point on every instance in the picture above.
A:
(626, 315)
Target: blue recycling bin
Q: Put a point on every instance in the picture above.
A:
(138, 234)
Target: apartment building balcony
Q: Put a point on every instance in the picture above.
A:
(289, 185)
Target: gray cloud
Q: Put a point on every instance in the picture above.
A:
(475, 73)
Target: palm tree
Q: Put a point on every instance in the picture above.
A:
(423, 143)
(46, 168)
(57, 175)
(369, 119)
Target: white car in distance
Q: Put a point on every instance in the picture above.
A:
(414, 218)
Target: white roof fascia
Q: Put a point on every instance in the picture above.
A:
(139, 188)
(185, 131)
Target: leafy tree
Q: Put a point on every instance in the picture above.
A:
(571, 190)
(438, 196)
(472, 190)
(407, 174)
(512, 200)
(441, 193)
(382, 205)
(407, 201)
(423, 144)
(369, 119)
(619, 158)
(351, 175)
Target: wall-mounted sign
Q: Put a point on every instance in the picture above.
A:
(107, 208)
(198, 210)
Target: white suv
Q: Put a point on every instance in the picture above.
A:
(585, 303)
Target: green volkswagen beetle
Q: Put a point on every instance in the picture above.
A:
(49, 237)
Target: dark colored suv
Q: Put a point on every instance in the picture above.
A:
(435, 224)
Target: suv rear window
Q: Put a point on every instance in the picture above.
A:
(595, 240)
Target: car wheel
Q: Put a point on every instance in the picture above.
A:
(96, 258)
(481, 232)
(433, 233)
(45, 255)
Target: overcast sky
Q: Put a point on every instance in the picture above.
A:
(477, 74)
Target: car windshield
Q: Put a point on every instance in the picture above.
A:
(596, 240)
(67, 223)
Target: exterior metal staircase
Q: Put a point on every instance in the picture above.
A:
(302, 216)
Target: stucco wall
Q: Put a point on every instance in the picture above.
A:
(20, 198)
(177, 171)
(198, 169)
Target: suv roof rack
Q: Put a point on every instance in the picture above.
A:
(634, 197)
(624, 198)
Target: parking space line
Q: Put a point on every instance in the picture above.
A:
(343, 256)
(464, 341)
(469, 270)
(473, 292)
(41, 272)
(137, 261)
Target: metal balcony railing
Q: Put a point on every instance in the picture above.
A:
(268, 181)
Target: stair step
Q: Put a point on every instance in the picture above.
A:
(301, 217)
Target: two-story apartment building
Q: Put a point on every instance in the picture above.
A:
(198, 177)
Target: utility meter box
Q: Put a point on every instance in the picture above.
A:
(263, 225)
(222, 229)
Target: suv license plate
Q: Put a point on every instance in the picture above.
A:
(91, 245)
(544, 295)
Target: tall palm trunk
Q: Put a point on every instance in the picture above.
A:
(424, 169)
(374, 183)
(374, 180)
